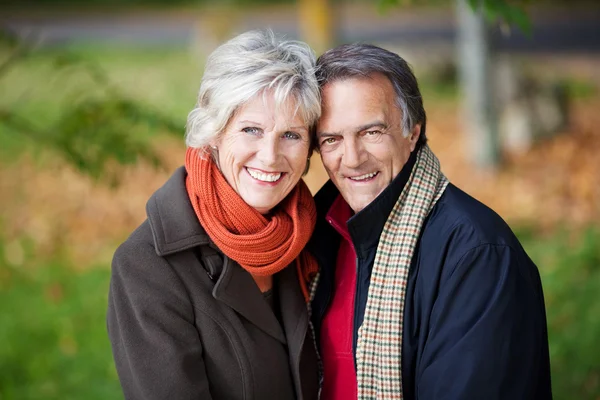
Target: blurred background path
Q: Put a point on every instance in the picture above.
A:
(569, 30)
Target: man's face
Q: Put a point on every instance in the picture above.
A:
(360, 137)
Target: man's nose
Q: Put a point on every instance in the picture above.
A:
(354, 154)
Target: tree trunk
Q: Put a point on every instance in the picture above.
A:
(476, 80)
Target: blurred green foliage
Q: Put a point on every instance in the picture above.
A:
(570, 266)
(580, 88)
(502, 11)
(53, 342)
(93, 128)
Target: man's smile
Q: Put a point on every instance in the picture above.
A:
(365, 177)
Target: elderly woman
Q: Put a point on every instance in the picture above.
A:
(208, 297)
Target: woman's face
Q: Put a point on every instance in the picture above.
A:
(263, 152)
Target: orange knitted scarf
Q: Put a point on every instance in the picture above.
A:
(262, 244)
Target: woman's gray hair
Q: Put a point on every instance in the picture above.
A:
(248, 65)
(364, 60)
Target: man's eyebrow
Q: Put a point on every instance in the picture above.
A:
(370, 125)
(360, 128)
(328, 134)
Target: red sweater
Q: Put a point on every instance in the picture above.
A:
(339, 381)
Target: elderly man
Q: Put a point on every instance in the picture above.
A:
(424, 292)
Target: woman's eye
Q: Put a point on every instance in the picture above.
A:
(251, 130)
(291, 135)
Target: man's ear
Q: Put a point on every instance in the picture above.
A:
(414, 136)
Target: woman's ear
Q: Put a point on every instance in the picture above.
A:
(214, 142)
(307, 166)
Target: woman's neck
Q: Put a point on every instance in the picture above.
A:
(264, 283)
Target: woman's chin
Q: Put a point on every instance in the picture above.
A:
(263, 210)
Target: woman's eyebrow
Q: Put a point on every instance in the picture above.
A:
(246, 121)
(297, 128)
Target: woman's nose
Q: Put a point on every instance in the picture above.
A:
(269, 150)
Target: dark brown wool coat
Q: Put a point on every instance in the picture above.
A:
(187, 322)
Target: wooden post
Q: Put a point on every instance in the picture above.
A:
(316, 22)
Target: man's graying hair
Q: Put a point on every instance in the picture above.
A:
(364, 60)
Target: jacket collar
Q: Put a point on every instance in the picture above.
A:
(173, 221)
(294, 316)
(236, 288)
(338, 216)
(175, 228)
(291, 330)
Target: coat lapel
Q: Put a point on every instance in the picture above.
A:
(294, 313)
(236, 288)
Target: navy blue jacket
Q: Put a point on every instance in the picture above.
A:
(474, 318)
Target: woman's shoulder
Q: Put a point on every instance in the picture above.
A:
(138, 249)
(147, 256)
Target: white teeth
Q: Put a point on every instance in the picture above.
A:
(363, 177)
(261, 176)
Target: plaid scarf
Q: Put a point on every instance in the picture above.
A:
(379, 348)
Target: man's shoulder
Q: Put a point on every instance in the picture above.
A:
(462, 229)
(464, 220)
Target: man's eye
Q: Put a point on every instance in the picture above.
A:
(251, 130)
(291, 135)
(328, 141)
(373, 133)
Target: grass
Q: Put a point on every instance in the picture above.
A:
(53, 342)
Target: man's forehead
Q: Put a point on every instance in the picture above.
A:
(358, 92)
(349, 104)
(375, 82)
